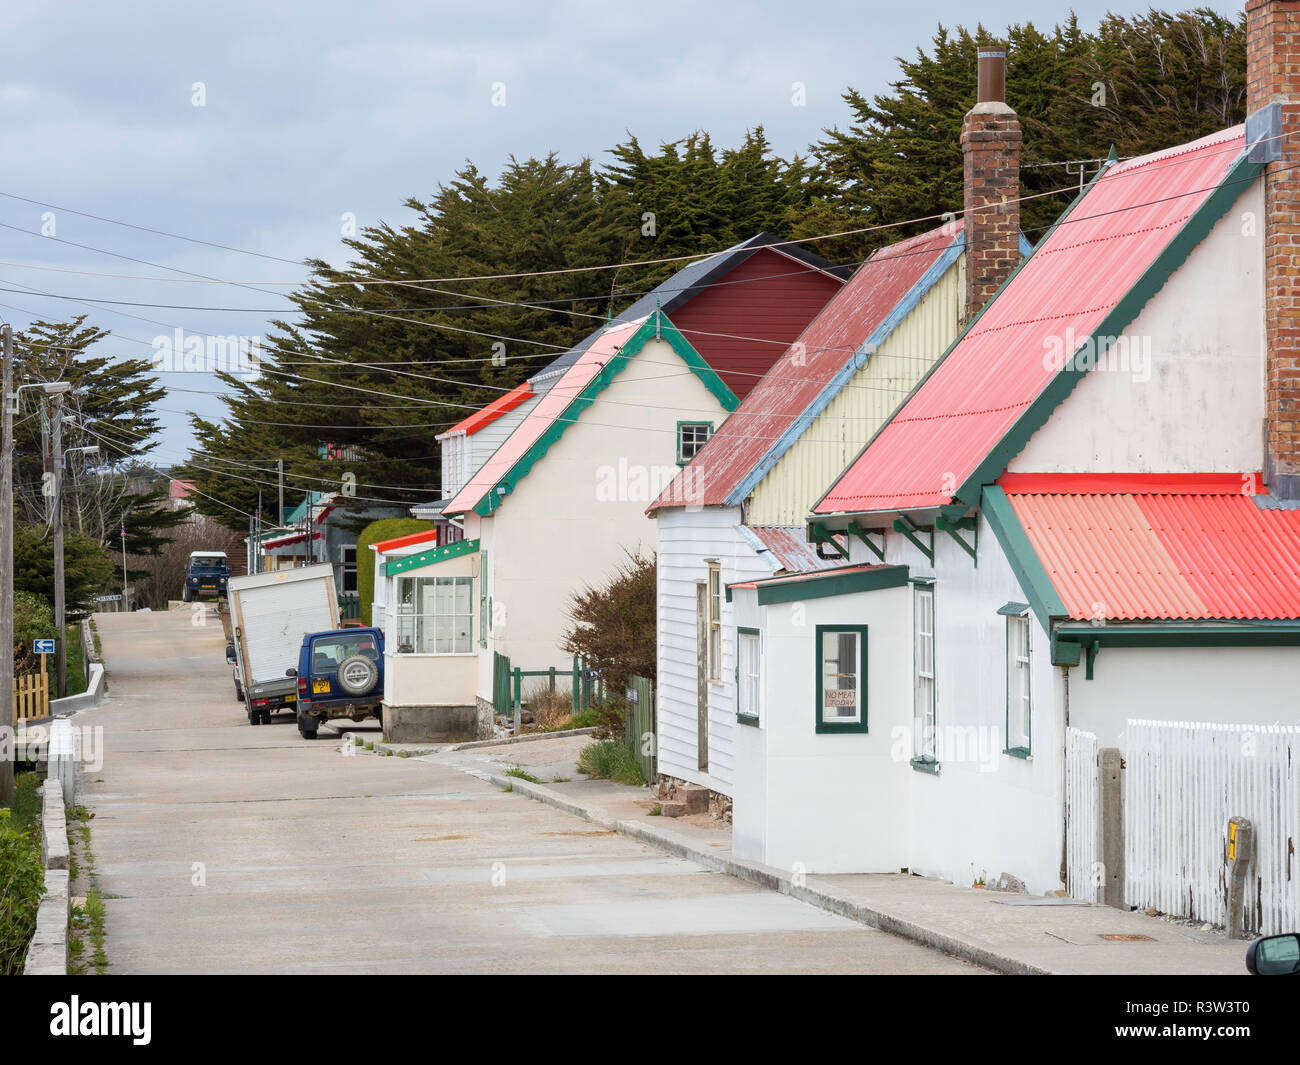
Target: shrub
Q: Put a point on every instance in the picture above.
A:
(552, 710)
(611, 759)
(22, 881)
(613, 627)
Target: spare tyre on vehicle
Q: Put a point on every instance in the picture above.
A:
(357, 674)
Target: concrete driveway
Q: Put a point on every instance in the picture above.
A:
(226, 848)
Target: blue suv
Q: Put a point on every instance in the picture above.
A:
(340, 674)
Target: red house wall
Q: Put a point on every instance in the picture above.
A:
(768, 297)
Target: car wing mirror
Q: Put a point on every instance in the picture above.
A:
(230, 654)
(290, 672)
(1274, 955)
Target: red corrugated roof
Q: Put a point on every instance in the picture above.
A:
(487, 415)
(549, 408)
(791, 549)
(805, 369)
(1130, 556)
(409, 540)
(958, 415)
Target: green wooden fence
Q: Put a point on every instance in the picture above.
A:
(642, 733)
(500, 683)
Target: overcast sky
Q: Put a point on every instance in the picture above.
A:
(313, 111)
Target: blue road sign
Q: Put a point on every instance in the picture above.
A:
(42, 647)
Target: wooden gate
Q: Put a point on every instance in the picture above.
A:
(31, 695)
(642, 725)
(500, 683)
(1083, 877)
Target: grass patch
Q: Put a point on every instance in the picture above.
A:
(76, 667)
(508, 787)
(370, 745)
(612, 759)
(656, 811)
(403, 754)
(522, 774)
(357, 741)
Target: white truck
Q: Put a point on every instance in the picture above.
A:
(269, 615)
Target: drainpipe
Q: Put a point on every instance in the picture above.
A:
(1065, 805)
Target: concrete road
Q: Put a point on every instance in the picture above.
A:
(223, 847)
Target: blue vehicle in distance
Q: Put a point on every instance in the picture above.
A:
(206, 573)
(340, 674)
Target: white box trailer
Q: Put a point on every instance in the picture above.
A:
(270, 614)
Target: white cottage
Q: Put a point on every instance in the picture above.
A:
(563, 499)
(1072, 524)
(736, 513)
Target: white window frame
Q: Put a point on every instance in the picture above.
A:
(925, 699)
(1020, 704)
(749, 683)
(713, 611)
(411, 622)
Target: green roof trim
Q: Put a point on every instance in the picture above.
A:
(823, 584)
(1122, 315)
(655, 327)
(1075, 641)
(431, 557)
(1013, 609)
(1024, 561)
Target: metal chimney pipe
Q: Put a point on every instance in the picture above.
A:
(992, 74)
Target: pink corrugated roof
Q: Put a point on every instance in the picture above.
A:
(1065, 289)
(549, 408)
(805, 369)
(1164, 555)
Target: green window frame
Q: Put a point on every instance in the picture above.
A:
(749, 652)
(1019, 707)
(925, 696)
(840, 655)
(691, 436)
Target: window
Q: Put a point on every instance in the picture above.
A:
(1018, 702)
(691, 436)
(714, 608)
(327, 652)
(841, 697)
(747, 651)
(348, 561)
(923, 725)
(435, 615)
(484, 603)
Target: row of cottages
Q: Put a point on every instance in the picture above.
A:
(1087, 513)
(737, 511)
(775, 289)
(553, 492)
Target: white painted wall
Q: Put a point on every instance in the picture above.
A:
(687, 537)
(426, 679)
(822, 803)
(1222, 685)
(1201, 410)
(569, 522)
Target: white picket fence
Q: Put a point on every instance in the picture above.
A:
(1082, 817)
(1182, 783)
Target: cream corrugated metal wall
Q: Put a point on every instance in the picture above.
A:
(835, 437)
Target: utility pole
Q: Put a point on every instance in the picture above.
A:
(7, 568)
(60, 606)
(279, 476)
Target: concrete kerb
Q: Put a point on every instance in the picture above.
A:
(92, 696)
(47, 954)
(416, 750)
(773, 879)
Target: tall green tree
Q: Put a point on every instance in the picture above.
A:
(1140, 83)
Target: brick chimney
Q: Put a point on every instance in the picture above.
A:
(990, 148)
(1273, 126)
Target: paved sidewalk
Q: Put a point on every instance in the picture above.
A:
(1019, 934)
